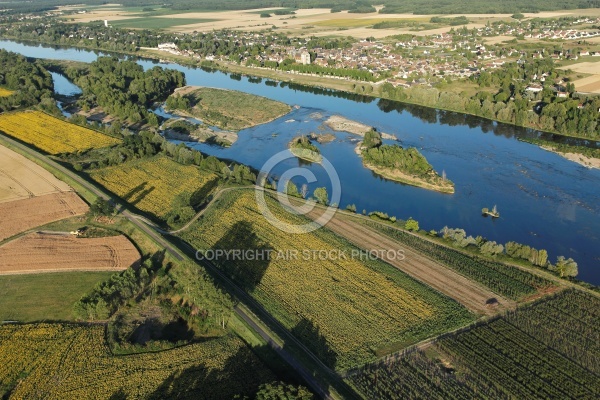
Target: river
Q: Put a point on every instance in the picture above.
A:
(545, 201)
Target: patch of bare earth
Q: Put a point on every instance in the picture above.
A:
(21, 215)
(45, 252)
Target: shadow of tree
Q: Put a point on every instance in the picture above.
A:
(118, 395)
(253, 260)
(241, 376)
(309, 334)
(134, 191)
(154, 329)
(138, 193)
(199, 197)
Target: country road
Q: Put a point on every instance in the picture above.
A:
(152, 230)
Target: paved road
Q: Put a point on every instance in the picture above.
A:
(306, 375)
(151, 230)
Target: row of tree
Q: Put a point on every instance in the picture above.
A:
(564, 267)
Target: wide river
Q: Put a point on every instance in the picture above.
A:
(545, 200)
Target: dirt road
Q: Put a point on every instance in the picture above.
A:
(420, 267)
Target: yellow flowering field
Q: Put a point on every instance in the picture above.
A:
(347, 310)
(67, 361)
(152, 184)
(50, 134)
(5, 92)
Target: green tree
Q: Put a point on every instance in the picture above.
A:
(566, 267)
(102, 207)
(291, 189)
(321, 195)
(412, 225)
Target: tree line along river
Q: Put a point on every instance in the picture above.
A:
(545, 201)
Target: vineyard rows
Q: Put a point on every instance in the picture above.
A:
(51, 134)
(507, 281)
(348, 311)
(523, 354)
(153, 184)
(59, 361)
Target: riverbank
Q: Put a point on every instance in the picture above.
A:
(403, 177)
(588, 162)
(345, 85)
(342, 124)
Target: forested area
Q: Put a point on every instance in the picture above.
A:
(123, 89)
(29, 81)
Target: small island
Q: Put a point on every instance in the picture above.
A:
(302, 147)
(399, 164)
(342, 124)
(226, 109)
(492, 213)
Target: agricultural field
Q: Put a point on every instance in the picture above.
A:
(347, 310)
(548, 349)
(21, 178)
(21, 215)
(156, 22)
(77, 356)
(54, 296)
(510, 282)
(5, 92)
(230, 109)
(50, 134)
(156, 185)
(51, 252)
(445, 280)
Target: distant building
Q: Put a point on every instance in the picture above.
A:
(305, 58)
(167, 46)
(534, 88)
(106, 23)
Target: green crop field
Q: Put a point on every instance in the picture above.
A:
(44, 297)
(549, 349)
(348, 311)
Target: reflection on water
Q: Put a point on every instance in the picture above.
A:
(545, 201)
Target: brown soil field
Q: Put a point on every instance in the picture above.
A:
(47, 252)
(590, 84)
(419, 266)
(21, 178)
(21, 215)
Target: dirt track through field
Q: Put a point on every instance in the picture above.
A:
(46, 252)
(420, 267)
(21, 215)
